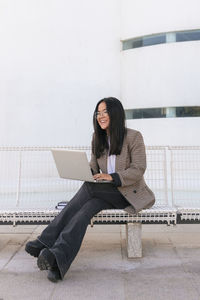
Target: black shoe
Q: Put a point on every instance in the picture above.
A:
(46, 260)
(34, 248)
(54, 275)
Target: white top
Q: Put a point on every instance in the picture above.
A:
(111, 161)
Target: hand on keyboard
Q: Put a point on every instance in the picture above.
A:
(102, 176)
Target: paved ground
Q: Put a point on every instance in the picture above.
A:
(169, 269)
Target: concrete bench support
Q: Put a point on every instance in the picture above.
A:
(133, 239)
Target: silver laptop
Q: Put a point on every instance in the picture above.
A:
(73, 164)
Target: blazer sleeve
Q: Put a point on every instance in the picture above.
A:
(137, 166)
(93, 161)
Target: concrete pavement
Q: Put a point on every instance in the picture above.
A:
(169, 269)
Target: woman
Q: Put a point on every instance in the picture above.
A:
(118, 156)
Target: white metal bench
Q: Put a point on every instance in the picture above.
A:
(133, 223)
(28, 176)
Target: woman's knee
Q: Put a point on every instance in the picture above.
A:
(81, 196)
(92, 207)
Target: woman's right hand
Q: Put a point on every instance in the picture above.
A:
(102, 176)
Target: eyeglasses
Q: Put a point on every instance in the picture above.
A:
(103, 113)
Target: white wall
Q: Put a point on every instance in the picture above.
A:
(57, 59)
(161, 75)
(168, 131)
(164, 75)
(141, 17)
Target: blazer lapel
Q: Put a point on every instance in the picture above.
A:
(103, 162)
(117, 163)
(121, 159)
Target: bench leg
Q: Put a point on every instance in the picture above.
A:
(133, 239)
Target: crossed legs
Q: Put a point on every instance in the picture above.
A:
(62, 238)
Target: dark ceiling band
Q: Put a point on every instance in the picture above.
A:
(163, 112)
(161, 38)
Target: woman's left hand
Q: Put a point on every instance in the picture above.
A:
(102, 176)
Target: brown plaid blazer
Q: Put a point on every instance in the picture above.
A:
(130, 166)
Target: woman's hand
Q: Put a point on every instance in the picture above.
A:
(101, 176)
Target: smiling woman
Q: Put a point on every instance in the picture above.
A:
(102, 116)
(118, 156)
(111, 125)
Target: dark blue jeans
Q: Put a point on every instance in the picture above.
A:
(64, 235)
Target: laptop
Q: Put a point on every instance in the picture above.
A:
(73, 164)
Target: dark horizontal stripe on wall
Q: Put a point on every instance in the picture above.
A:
(163, 112)
(161, 38)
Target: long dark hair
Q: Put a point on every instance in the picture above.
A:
(117, 128)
